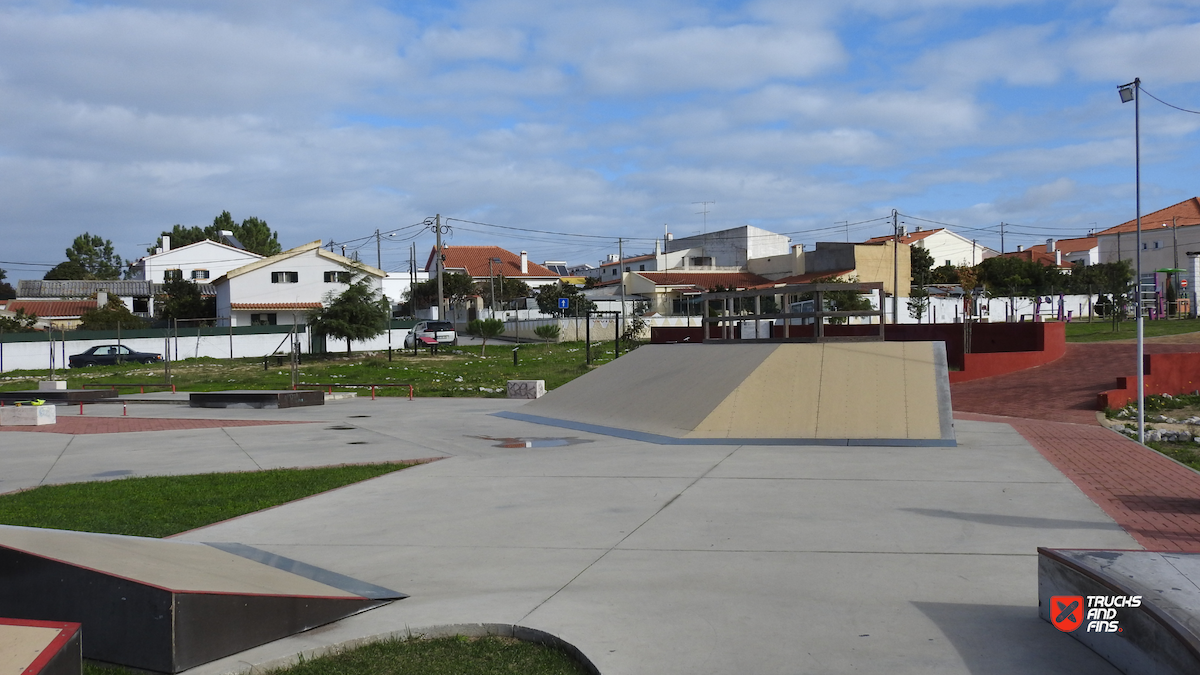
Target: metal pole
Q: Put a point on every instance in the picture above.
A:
(378, 253)
(1137, 145)
(437, 227)
(621, 266)
(895, 268)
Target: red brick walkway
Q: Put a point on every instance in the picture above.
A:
(1062, 391)
(68, 424)
(1153, 498)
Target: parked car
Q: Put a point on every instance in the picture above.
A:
(107, 355)
(442, 331)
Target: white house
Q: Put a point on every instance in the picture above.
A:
(1168, 235)
(201, 262)
(946, 247)
(1078, 251)
(282, 289)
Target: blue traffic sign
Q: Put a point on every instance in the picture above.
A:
(563, 303)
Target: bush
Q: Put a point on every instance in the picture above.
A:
(548, 332)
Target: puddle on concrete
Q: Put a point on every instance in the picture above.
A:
(110, 474)
(339, 427)
(529, 442)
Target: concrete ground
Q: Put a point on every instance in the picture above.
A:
(648, 558)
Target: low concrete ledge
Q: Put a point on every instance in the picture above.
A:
(27, 415)
(526, 388)
(1160, 636)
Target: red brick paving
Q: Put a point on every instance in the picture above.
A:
(1062, 391)
(1154, 499)
(68, 424)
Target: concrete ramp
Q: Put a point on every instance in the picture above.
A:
(860, 393)
(164, 605)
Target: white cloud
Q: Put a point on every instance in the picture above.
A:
(711, 58)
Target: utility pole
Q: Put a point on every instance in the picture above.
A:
(441, 264)
(621, 266)
(846, 223)
(895, 269)
(378, 254)
(1002, 237)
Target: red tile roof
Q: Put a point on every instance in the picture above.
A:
(474, 259)
(1186, 212)
(809, 278)
(705, 280)
(275, 305)
(906, 239)
(1069, 245)
(47, 309)
(1046, 259)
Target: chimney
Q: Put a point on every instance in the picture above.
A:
(903, 231)
(166, 238)
(1050, 244)
(657, 248)
(102, 297)
(524, 262)
(1058, 258)
(1020, 247)
(917, 228)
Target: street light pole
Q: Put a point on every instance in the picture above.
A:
(1129, 92)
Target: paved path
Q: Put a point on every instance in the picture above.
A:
(1155, 499)
(650, 559)
(1062, 391)
(93, 424)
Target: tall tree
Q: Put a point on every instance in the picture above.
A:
(507, 289)
(7, 292)
(922, 265)
(89, 257)
(254, 233)
(577, 302)
(181, 299)
(111, 316)
(357, 313)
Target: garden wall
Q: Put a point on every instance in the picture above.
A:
(1162, 373)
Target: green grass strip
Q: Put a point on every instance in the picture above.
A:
(159, 506)
(1102, 331)
(442, 656)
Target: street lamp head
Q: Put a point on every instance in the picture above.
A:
(1127, 91)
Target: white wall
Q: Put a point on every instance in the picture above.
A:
(959, 251)
(36, 355)
(255, 286)
(218, 259)
(1160, 248)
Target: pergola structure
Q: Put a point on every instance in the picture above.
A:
(747, 305)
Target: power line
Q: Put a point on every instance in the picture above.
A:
(1194, 112)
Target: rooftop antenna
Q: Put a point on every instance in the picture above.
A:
(705, 212)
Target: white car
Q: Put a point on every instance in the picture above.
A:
(440, 331)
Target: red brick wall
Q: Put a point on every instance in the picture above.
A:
(996, 348)
(1163, 374)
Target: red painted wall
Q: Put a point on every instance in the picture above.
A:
(1163, 374)
(996, 348)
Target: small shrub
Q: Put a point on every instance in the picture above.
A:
(549, 332)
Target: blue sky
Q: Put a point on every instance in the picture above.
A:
(590, 121)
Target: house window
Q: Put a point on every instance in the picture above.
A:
(705, 261)
(262, 319)
(614, 271)
(337, 277)
(170, 275)
(1158, 244)
(284, 278)
(641, 268)
(141, 304)
(199, 274)
(626, 269)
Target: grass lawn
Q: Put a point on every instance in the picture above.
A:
(159, 506)
(1187, 454)
(460, 371)
(1101, 331)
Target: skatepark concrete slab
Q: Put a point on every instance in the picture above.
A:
(881, 393)
(686, 559)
